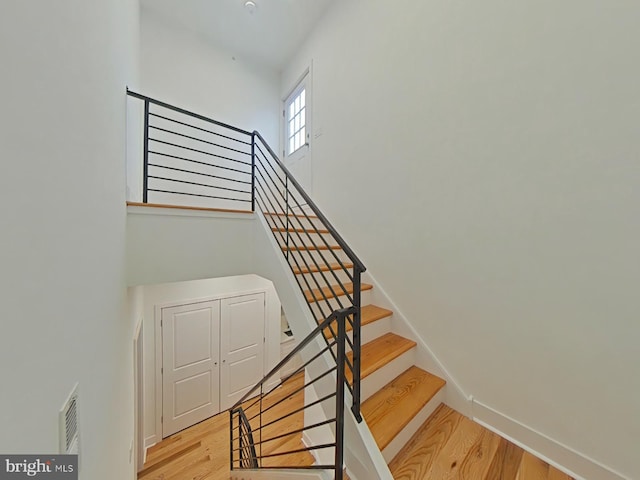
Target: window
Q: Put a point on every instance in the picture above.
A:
(296, 116)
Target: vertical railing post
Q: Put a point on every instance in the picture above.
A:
(342, 334)
(261, 408)
(231, 438)
(286, 202)
(145, 159)
(356, 340)
(253, 171)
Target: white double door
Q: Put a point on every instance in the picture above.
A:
(213, 353)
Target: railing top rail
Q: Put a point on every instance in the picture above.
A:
(186, 112)
(352, 256)
(298, 348)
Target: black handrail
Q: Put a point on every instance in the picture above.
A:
(308, 339)
(247, 447)
(269, 181)
(172, 148)
(245, 444)
(185, 112)
(275, 192)
(334, 233)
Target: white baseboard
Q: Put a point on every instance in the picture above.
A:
(564, 458)
(150, 441)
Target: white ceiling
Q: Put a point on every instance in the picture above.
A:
(268, 37)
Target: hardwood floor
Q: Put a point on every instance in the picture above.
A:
(201, 452)
(450, 446)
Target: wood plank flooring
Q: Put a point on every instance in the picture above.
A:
(450, 446)
(391, 408)
(201, 452)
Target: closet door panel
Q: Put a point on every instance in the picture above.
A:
(242, 336)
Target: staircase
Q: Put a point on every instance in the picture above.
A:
(402, 404)
(397, 395)
(198, 162)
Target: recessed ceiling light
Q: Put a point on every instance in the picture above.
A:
(251, 6)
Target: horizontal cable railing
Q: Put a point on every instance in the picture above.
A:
(324, 266)
(191, 160)
(267, 424)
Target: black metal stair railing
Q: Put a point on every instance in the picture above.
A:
(266, 424)
(194, 161)
(322, 262)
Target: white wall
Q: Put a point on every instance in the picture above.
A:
(188, 71)
(65, 65)
(154, 296)
(488, 153)
(167, 245)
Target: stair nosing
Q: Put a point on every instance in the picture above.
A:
(309, 297)
(325, 267)
(319, 231)
(366, 371)
(312, 248)
(276, 214)
(384, 313)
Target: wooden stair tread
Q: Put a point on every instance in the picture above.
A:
(316, 294)
(377, 353)
(372, 313)
(321, 268)
(390, 409)
(172, 456)
(319, 231)
(306, 248)
(368, 314)
(415, 459)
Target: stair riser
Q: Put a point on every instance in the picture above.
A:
(378, 379)
(321, 278)
(322, 309)
(309, 258)
(412, 427)
(372, 331)
(303, 238)
(295, 222)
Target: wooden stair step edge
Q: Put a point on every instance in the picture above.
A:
(392, 407)
(368, 314)
(324, 267)
(318, 231)
(307, 248)
(377, 353)
(170, 456)
(316, 294)
(282, 214)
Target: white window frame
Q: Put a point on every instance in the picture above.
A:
(303, 83)
(296, 120)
